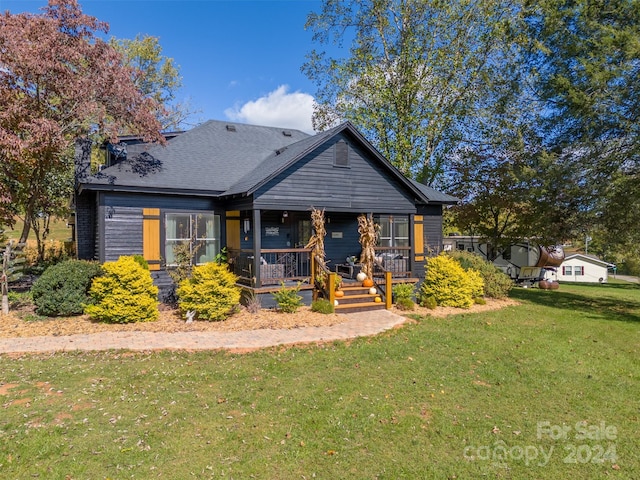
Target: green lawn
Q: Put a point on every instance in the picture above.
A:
(58, 230)
(548, 389)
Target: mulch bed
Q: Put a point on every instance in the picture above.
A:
(23, 322)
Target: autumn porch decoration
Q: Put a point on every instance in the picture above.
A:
(368, 231)
(316, 242)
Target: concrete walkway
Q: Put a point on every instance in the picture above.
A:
(626, 278)
(357, 325)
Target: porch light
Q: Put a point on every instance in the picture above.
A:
(247, 225)
(285, 215)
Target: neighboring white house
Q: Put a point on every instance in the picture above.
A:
(579, 267)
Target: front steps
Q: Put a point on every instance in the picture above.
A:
(358, 299)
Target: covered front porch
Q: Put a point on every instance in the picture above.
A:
(267, 248)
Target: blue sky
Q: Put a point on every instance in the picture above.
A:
(239, 59)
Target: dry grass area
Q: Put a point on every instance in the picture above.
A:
(21, 324)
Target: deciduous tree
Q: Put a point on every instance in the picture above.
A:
(586, 56)
(413, 71)
(156, 76)
(58, 81)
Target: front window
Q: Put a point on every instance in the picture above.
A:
(567, 270)
(198, 233)
(578, 271)
(394, 230)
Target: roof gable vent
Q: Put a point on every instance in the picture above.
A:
(231, 128)
(341, 154)
(286, 133)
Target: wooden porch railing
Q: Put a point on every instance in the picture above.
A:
(275, 265)
(396, 260)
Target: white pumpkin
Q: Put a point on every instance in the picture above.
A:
(335, 303)
(373, 291)
(361, 276)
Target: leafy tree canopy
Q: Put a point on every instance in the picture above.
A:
(413, 71)
(59, 81)
(156, 76)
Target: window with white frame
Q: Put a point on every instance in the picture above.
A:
(578, 271)
(394, 230)
(567, 270)
(200, 231)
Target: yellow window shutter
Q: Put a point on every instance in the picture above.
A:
(418, 236)
(233, 229)
(151, 237)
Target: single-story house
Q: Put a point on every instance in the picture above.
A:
(579, 267)
(251, 189)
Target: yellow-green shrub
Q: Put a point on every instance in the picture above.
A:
(496, 283)
(449, 284)
(211, 292)
(125, 294)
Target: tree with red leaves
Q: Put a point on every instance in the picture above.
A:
(59, 82)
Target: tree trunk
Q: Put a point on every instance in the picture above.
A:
(26, 229)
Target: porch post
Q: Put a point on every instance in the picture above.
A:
(388, 291)
(414, 243)
(257, 247)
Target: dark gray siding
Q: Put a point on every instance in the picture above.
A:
(86, 226)
(345, 228)
(120, 220)
(363, 187)
(122, 232)
(176, 202)
(432, 228)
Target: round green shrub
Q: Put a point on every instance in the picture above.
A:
(450, 284)
(403, 291)
(211, 292)
(287, 298)
(404, 303)
(497, 284)
(322, 305)
(125, 294)
(62, 289)
(429, 302)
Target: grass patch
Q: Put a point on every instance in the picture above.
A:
(461, 397)
(58, 230)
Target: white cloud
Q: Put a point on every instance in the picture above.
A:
(277, 109)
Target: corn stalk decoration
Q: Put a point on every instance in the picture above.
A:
(316, 242)
(368, 231)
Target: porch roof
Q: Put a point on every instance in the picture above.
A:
(435, 196)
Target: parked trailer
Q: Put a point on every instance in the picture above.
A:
(549, 258)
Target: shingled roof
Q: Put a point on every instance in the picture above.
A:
(208, 159)
(224, 159)
(434, 196)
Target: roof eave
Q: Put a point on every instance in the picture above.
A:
(156, 190)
